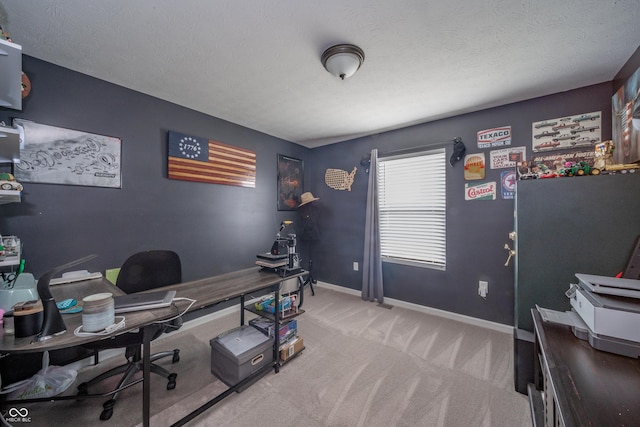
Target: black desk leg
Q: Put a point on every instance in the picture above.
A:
(276, 321)
(146, 373)
(310, 280)
(241, 310)
(301, 284)
(300, 291)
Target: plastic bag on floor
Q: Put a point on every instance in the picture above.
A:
(47, 382)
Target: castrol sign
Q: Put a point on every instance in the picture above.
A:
(495, 137)
(485, 191)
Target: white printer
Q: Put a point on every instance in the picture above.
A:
(605, 311)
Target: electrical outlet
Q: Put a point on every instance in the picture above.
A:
(355, 266)
(483, 288)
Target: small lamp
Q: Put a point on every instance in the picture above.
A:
(342, 60)
(52, 323)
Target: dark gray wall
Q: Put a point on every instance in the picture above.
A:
(214, 228)
(476, 230)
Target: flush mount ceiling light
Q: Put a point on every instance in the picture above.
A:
(342, 60)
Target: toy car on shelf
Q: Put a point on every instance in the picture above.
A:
(8, 182)
(544, 172)
(578, 169)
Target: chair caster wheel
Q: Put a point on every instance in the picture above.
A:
(172, 381)
(108, 410)
(106, 414)
(176, 356)
(83, 389)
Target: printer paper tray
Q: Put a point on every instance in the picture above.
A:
(567, 318)
(582, 331)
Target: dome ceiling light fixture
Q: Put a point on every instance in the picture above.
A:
(342, 60)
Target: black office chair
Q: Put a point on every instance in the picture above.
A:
(141, 271)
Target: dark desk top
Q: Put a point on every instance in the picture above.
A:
(592, 387)
(206, 292)
(212, 290)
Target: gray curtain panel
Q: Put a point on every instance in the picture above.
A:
(372, 288)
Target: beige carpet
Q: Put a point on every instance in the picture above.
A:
(363, 366)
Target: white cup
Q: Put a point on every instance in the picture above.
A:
(98, 312)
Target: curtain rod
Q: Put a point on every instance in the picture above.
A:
(420, 147)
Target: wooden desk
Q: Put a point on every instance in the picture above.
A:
(79, 290)
(582, 386)
(206, 292)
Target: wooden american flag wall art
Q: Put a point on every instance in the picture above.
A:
(192, 158)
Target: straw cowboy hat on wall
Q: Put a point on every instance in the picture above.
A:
(307, 198)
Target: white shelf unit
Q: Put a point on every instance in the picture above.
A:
(10, 196)
(11, 72)
(15, 255)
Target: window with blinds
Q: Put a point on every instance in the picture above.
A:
(412, 203)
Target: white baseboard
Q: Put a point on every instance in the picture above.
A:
(500, 327)
(428, 310)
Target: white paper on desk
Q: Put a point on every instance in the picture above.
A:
(63, 279)
(567, 318)
(78, 273)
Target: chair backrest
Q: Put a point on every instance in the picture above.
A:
(149, 270)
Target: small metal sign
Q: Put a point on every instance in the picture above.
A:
(507, 157)
(474, 166)
(508, 183)
(495, 137)
(484, 191)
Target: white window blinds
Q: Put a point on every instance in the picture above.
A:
(412, 203)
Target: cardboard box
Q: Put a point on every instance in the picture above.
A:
(292, 348)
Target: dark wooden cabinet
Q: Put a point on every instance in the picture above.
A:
(565, 226)
(577, 385)
(571, 225)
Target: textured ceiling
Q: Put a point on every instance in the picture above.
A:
(257, 63)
